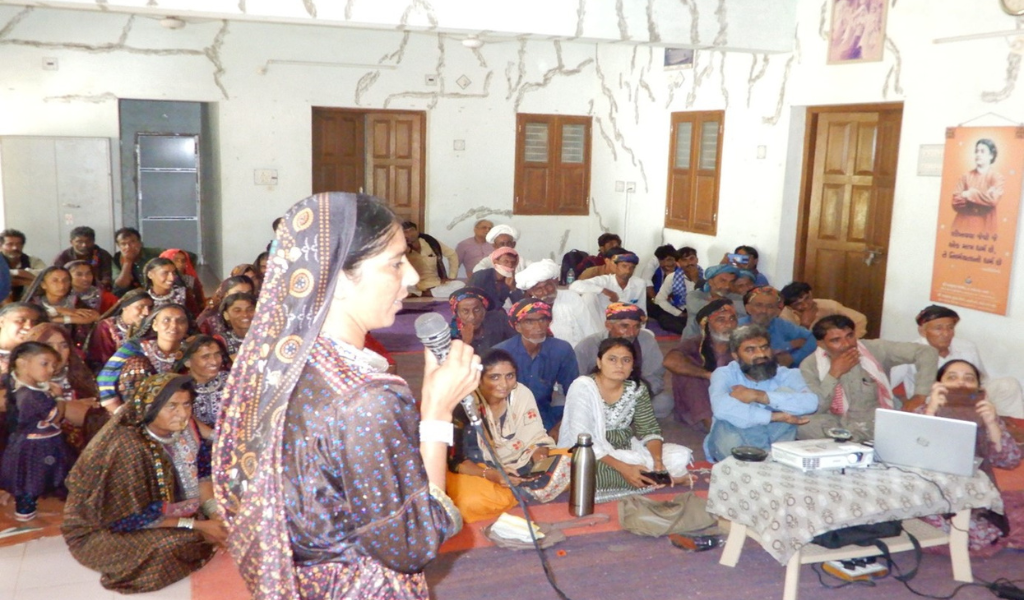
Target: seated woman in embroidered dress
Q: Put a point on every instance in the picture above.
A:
(154, 349)
(515, 430)
(210, 321)
(52, 291)
(140, 506)
(617, 412)
(116, 326)
(205, 359)
(237, 311)
(996, 447)
(83, 287)
(186, 272)
(165, 287)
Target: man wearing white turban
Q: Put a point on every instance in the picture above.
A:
(501, 236)
(570, 319)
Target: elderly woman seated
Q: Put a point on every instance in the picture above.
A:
(474, 323)
(140, 506)
(995, 446)
(617, 413)
(525, 452)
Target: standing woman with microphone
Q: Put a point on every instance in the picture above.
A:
(331, 478)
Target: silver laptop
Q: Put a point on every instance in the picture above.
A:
(924, 442)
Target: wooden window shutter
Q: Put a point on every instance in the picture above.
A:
(694, 168)
(552, 165)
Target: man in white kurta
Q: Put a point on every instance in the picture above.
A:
(620, 286)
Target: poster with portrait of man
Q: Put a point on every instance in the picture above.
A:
(978, 207)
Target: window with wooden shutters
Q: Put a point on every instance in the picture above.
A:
(552, 165)
(694, 164)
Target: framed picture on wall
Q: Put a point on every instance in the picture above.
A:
(858, 31)
(678, 58)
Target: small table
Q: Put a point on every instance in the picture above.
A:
(783, 509)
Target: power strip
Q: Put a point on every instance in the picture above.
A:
(1007, 590)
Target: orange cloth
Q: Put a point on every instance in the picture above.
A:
(981, 193)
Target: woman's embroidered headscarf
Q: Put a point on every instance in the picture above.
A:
(152, 394)
(306, 260)
(458, 296)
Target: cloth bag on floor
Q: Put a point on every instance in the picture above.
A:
(686, 513)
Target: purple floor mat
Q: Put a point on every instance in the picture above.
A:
(401, 336)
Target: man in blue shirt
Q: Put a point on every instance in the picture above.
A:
(790, 343)
(755, 401)
(542, 360)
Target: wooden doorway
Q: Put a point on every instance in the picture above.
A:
(377, 152)
(850, 156)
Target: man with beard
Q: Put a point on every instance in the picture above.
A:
(790, 343)
(717, 284)
(570, 319)
(696, 358)
(541, 361)
(627, 321)
(755, 401)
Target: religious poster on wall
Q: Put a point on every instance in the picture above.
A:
(858, 31)
(980, 199)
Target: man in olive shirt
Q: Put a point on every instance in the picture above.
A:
(851, 378)
(129, 260)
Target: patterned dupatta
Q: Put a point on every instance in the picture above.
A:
(311, 247)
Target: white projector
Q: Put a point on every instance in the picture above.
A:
(814, 455)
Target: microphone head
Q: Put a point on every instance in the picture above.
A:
(429, 325)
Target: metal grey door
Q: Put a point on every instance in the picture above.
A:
(168, 189)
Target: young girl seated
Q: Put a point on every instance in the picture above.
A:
(83, 287)
(52, 291)
(37, 458)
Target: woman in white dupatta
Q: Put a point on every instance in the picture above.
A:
(617, 412)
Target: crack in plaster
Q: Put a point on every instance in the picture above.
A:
(679, 82)
(512, 87)
(774, 119)
(310, 7)
(478, 213)
(349, 7)
(694, 21)
(434, 97)
(822, 21)
(613, 109)
(642, 85)
(103, 5)
(212, 53)
(754, 77)
(604, 134)
(623, 26)
(549, 75)
(652, 25)
(581, 13)
(632, 59)
(723, 25)
(1012, 71)
(561, 246)
(18, 18)
(480, 57)
(398, 54)
(241, 6)
(364, 84)
(698, 78)
(422, 5)
(600, 220)
(894, 71)
(724, 88)
(94, 99)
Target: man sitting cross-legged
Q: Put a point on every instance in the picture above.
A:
(755, 401)
(851, 379)
(790, 343)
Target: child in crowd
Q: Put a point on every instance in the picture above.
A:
(37, 458)
(84, 288)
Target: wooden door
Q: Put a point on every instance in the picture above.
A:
(394, 162)
(848, 209)
(338, 150)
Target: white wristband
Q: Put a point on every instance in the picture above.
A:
(437, 431)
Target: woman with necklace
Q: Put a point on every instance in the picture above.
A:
(616, 411)
(52, 291)
(205, 359)
(165, 287)
(116, 326)
(237, 311)
(210, 321)
(140, 506)
(84, 287)
(186, 273)
(154, 349)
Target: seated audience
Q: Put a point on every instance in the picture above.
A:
(616, 411)
(650, 268)
(16, 320)
(83, 287)
(427, 256)
(790, 343)
(473, 249)
(696, 358)
(498, 282)
(541, 361)
(755, 401)
(237, 310)
(37, 458)
(474, 323)
(210, 321)
(686, 259)
(605, 242)
(500, 236)
(140, 506)
(627, 321)
(154, 349)
(23, 267)
(187, 273)
(83, 247)
(514, 429)
(744, 282)
(750, 264)
(666, 296)
(937, 326)
(79, 395)
(129, 260)
(52, 292)
(803, 309)
(247, 270)
(570, 319)
(116, 326)
(996, 447)
(717, 284)
(621, 286)
(204, 358)
(165, 287)
(850, 377)
(605, 268)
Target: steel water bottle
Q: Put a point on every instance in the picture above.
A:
(583, 480)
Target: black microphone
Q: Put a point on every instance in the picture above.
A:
(433, 331)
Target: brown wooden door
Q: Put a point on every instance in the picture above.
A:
(379, 153)
(849, 210)
(395, 162)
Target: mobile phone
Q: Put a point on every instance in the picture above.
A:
(739, 259)
(963, 397)
(658, 477)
